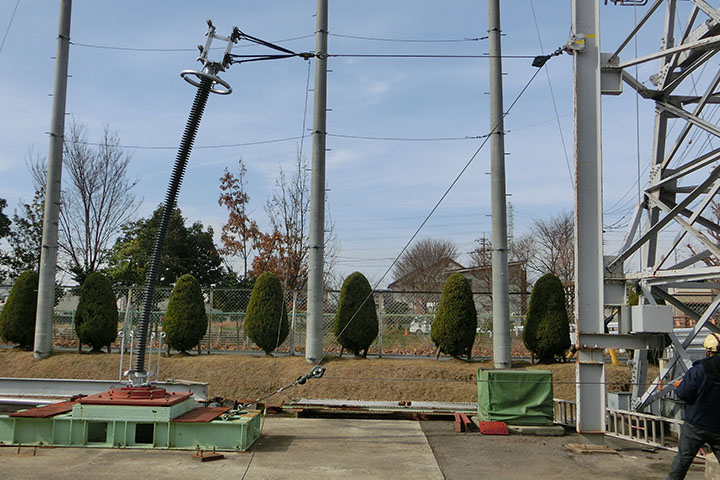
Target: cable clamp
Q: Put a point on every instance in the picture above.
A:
(541, 60)
(576, 43)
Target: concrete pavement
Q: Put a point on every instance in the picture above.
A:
(324, 448)
(300, 449)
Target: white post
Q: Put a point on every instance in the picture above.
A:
(48, 255)
(315, 310)
(589, 268)
(501, 298)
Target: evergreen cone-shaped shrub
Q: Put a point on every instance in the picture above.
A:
(356, 320)
(547, 330)
(266, 322)
(96, 316)
(17, 319)
(185, 321)
(454, 328)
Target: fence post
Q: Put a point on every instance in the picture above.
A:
(381, 316)
(210, 317)
(292, 323)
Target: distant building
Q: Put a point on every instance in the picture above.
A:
(431, 279)
(426, 300)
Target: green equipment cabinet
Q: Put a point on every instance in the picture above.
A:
(516, 397)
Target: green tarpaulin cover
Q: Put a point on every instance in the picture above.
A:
(517, 397)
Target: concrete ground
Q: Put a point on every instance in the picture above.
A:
(470, 456)
(369, 449)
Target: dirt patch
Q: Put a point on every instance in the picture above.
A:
(244, 377)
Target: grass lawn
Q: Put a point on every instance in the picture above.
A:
(243, 377)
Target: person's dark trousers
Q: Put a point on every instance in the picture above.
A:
(691, 439)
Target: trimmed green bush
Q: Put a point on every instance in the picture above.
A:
(185, 321)
(547, 331)
(96, 316)
(454, 328)
(356, 320)
(17, 319)
(266, 321)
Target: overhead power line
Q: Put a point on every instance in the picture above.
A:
(301, 138)
(422, 55)
(337, 55)
(156, 49)
(408, 139)
(227, 145)
(408, 40)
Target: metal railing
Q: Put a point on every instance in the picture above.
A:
(634, 426)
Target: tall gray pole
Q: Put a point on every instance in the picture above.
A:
(590, 389)
(501, 308)
(313, 338)
(48, 256)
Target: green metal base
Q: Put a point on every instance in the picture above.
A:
(109, 426)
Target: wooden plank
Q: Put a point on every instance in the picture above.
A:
(201, 415)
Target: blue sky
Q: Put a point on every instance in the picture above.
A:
(379, 191)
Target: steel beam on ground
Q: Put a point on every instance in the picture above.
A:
(46, 388)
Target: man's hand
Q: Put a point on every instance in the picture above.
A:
(677, 383)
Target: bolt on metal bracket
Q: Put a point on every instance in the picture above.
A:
(576, 43)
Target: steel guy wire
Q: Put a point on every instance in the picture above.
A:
(7, 30)
(552, 96)
(501, 381)
(304, 121)
(437, 205)
(300, 380)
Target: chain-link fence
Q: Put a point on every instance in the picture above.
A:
(404, 319)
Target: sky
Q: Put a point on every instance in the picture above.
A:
(124, 67)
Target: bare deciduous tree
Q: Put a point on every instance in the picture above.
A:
(422, 267)
(520, 253)
(555, 250)
(96, 200)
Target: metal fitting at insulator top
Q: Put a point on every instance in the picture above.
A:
(211, 68)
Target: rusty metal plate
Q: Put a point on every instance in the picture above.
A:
(136, 396)
(493, 428)
(201, 414)
(45, 411)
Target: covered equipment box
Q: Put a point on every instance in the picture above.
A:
(516, 397)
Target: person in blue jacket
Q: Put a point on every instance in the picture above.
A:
(700, 390)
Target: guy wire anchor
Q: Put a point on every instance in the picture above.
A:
(206, 81)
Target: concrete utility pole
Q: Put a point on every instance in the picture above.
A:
(501, 300)
(313, 336)
(48, 255)
(585, 45)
